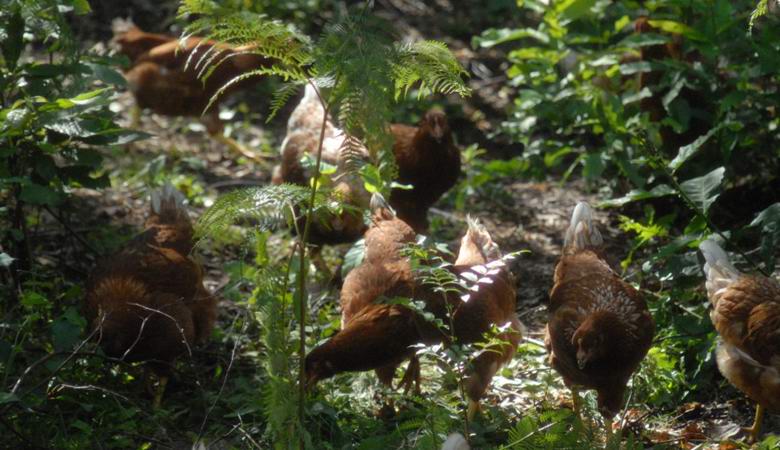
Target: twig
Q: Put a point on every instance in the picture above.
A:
(70, 230)
(690, 203)
(303, 269)
(44, 359)
(224, 380)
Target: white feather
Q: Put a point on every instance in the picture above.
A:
(581, 232)
(455, 441)
(167, 195)
(718, 270)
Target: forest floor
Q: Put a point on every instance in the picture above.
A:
(522, 215)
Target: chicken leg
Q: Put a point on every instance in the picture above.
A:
(755, 430)
(237, 147)
(158, 395)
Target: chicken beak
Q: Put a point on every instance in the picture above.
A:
(582, 359)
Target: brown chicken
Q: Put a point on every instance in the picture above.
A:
(429, 161)
(148, 302)
(746, 313)
(164, 76)
(426, 155)
(599, 328)
(381, 336)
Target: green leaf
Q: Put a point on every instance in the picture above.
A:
(768, 219)
(7, 397)
(32, 299)
(81, 7)
(593, 166)
(672, 27)
(14, 40)
(702, 191)
(40, 195)
(493, 36)
(353, 257)
(687, 151)
(574, 9)
(107, 75)
(65, 333)
(662, 190)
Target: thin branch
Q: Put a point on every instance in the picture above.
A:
(691, 204)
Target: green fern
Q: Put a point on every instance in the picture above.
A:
(267, 206)
(432, 65)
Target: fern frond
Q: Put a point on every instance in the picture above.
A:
(265, 204)
(281, 97)
(271, 70)
(432, 65)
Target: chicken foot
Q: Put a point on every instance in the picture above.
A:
(755, 430)
(237, 147)
(411, 377)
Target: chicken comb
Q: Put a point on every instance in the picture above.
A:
(718, 270)
(480, 236)
(581, 233)
(167, 199)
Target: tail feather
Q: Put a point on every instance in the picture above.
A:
(167, 200)
(718, 270)
(581, 233)
(455, 441)
(480, 236)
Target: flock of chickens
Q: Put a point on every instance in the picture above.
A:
(148, 302)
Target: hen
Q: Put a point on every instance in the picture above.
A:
(303, 134)
(746, 313)
(426, 156)
(429, 161)
(381, 336)
(161, 80)
(147, 302)
(599, 328)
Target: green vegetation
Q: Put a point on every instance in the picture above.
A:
(675, 148)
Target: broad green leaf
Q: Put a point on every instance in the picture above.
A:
(593, 166)
(31, 299)
(687, 151)
(81, 7)
(39, 195)
(768, 219)
(574, 9)
(65, 335)
(353, 257)
(662, 190)
(107, 74)
(493, 36)
(702, 191)
(673, 27)
(7, 397)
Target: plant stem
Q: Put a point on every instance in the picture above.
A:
(690, 203)
(303, 270)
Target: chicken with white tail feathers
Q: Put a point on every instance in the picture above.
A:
(599, 327)
(746, 313)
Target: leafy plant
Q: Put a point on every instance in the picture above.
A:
(55, 118)
(363, 69)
